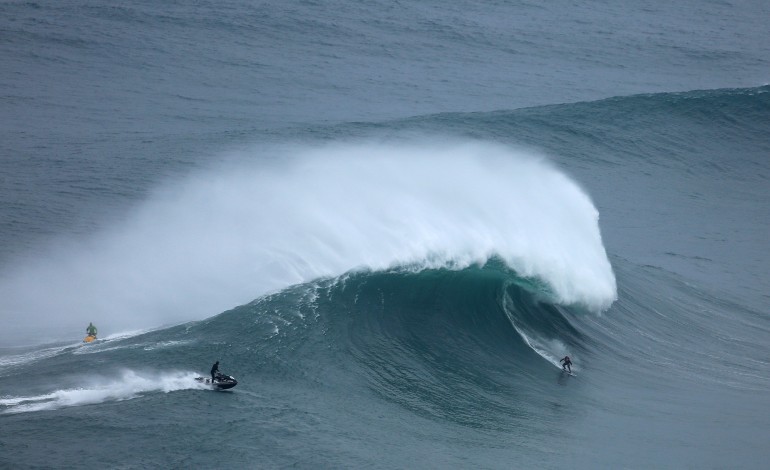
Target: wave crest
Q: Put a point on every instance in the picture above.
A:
(225, 236)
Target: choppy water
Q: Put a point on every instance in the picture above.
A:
(388, 221)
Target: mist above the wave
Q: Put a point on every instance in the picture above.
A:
(224, 236)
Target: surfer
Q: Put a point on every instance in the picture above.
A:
(91, 329)
(567, 364)
(214, 370)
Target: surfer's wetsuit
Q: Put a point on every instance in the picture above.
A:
(214, 370)
(567, 364)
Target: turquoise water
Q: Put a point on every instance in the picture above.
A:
(388, 222)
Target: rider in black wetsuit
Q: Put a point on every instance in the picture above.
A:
(214, 370)
(567, 364)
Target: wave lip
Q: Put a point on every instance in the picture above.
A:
(228, 235)
(457, 204)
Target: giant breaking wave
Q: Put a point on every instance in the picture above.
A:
(227, 235)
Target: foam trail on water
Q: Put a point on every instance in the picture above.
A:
(225, 236)
(129, 385)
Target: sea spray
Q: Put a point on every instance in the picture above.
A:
(227, 235)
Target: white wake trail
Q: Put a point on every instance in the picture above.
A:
(128, 385)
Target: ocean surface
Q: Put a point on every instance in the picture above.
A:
(388, 220)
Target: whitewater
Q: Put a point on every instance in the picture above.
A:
(203, 244)
(389, 222)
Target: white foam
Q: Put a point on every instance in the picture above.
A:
(129, 384)
(224, 237)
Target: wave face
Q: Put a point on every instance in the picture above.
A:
(376, 356)
(402, 340)
(389, 222)
(419, 291)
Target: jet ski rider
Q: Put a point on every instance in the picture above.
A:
(91, 329)
(214, 370)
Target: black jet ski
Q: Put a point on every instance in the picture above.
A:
(221, 381)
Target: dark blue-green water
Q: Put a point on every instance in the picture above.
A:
(389, 221)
